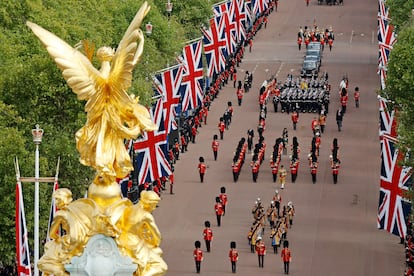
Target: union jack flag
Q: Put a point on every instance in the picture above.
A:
(151, 150)
(214, 47)
(238, 12)
(192, 93)
(382, 10)
(248, 9)
(226, 25)
(168, 84)
(259, 6)
(393, 207)
(22, 242)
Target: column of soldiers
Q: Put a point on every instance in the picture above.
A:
(314, 34)
(219, 81)
(276, 157)
(303, 94)
(239, 158)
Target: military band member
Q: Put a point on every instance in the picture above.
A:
(208, 235)
(277, 199)
(282, 176)
(198, 255)
(234, 256)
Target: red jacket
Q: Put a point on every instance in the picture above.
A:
(208, 234)
(221, 126)
(215, 145)
(198, 254)
(233, 255)
(202, 168)
(223, 198)
(260, 248)
(218, 207)
(286, 255)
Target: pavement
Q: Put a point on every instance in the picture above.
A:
(335, 230)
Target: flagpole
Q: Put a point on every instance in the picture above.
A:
(193, 40)
(37, 139)
(166, 69)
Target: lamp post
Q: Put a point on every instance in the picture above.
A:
(168, 8)
(148, 28)
(37, 139)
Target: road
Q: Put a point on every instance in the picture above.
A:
(335, 229)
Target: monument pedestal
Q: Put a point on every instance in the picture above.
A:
(101, 257)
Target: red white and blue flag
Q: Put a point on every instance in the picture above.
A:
(191, 90)
(22, 242)
(393, 207)
(227, 25)
(167, 84)
(214, 47)
(151, 149)
(259, 6)
(248, 9)
(238, 14)
(386, 40)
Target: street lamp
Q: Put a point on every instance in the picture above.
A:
(168, 8)
(37, 139)
(148, 28)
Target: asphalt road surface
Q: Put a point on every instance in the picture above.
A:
(335, 227)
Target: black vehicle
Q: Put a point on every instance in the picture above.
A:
(310, 69)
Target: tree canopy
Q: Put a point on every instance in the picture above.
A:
(33, 90)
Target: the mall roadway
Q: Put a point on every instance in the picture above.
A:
(335, 227)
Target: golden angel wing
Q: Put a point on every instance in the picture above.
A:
(129, 51)
(77, 70)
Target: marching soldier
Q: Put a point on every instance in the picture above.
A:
(356, 97)
(201, 168)
(215, 145)
(314, 167)
(294, 166)
(208, 235)
(198, 255)
(236, 168)
(234, 256)
(335, 162)
(322, 121)
(240, 93)
(277, 199)
(255, 164)
(250, 136)
(295, 118)
(221, 127)
(290, 210)
(223, 199)
(282, 176)
(274, 165)
(218, 208)
(260, 250)
(286, 256)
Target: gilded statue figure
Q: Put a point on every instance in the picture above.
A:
(112, 114)
(112, 117)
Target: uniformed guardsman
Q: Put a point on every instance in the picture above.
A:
(260, 250)
(201, 168)
(218, 208)
(234, 256)
(215, 146)
(198, 255)
(286, 256)
(223, 198)
(295, 118)
(356, 97)
(208, 235)
(282, 176)
(221, 127)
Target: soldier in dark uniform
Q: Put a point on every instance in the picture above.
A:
(250, 136)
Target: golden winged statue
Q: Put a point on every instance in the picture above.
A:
(112, 114)
(112, 117)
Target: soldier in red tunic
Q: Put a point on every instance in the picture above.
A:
(198, 255)
(221, 127)
(223, 199)
(215, 145)
(234, 256)
(202, 168)
(260, 250)
(208, 235)
(286, 256)
(295, 119)
(218, 208)
(356, 97)
(240, 93)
